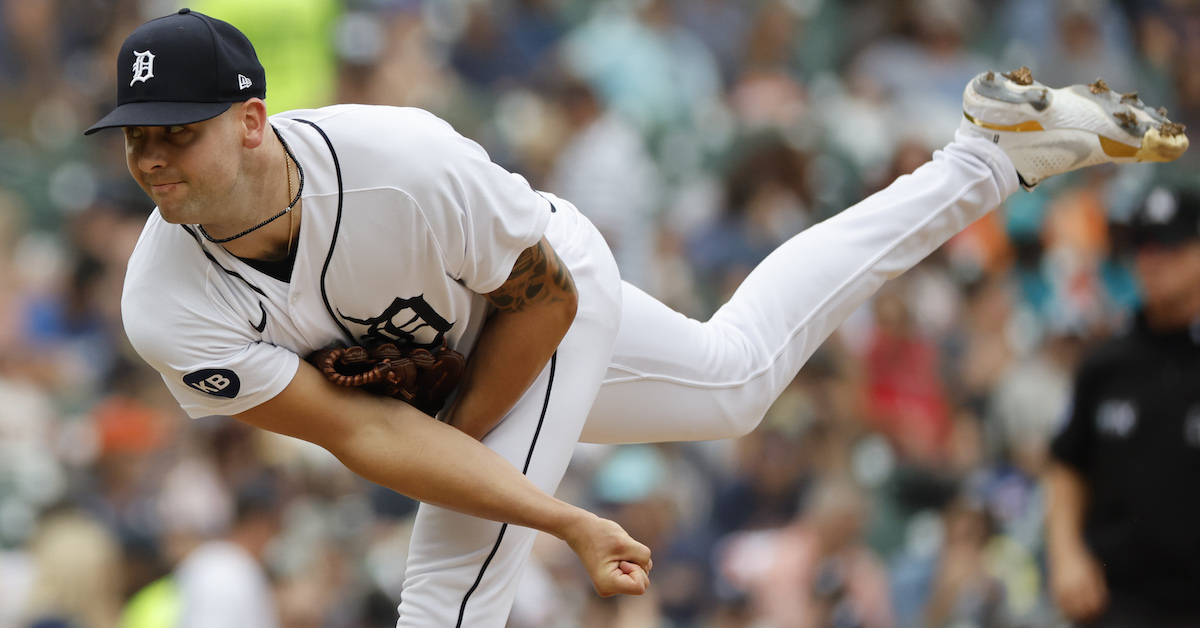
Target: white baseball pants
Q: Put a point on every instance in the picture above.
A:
(660, 376)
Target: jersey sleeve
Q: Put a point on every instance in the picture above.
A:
(205, 353)
(481, 215)
(1072, 444)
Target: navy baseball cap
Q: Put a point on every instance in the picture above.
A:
(1169, 216)
(183, 68)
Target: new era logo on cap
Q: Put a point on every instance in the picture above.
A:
(243, 82)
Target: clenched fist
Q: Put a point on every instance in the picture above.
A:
(615, 562)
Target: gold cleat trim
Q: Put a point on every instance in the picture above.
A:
(1029, 125)
(1113, 148)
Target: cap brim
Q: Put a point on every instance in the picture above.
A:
(159, 114)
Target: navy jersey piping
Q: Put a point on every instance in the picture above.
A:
(231, 273)
(462, 609)
(337, 168)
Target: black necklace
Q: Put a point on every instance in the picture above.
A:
(296, 199)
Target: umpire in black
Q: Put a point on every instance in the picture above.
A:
(1123, 515)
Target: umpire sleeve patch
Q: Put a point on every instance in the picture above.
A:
(216, 382)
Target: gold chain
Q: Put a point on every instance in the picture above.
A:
(291, 215)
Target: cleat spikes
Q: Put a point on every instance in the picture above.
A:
(1171, 129)
(1099, 87)
(1126, 118)
(1021, 76)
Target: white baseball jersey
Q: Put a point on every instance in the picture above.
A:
(405, 224)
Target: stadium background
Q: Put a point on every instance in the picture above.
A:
(697, 134)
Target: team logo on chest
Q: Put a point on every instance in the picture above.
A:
(143, 66)
(406, 321)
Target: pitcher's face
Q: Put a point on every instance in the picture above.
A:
(190, 171)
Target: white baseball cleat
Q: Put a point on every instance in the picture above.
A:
(1046, 131)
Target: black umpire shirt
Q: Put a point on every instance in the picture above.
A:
(1133, 433)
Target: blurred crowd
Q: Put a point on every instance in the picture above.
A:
(895, 484)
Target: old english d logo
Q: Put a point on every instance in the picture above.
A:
(216, 382)
(406, 321)
(143, 66)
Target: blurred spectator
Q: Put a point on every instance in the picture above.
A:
(815, 571)
(78, 574)
(1121, 519)
(1182, 42)
(766, 489)
(1029, 399)
(767, 200)
(1076, 239)
(29, 57)
(120, 490)
(984, 351)
(392, 55)
(1070, 41)
(723, 25)
(906, 398)
(633, 489)
(606, 171)
(642, 64)
(766, 91)
(920, 71)
(964, 591)
(220, 582)
(505, 44)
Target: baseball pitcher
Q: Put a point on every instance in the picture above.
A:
(382, 235)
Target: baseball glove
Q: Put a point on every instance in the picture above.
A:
(421, 377)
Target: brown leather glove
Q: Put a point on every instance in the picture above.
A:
(421, 377)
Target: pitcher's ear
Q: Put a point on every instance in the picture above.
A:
(252, 121)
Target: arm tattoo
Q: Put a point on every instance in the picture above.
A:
(538, 277)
